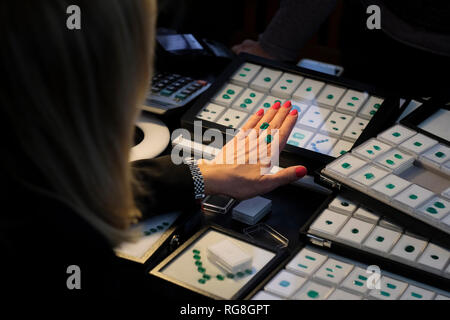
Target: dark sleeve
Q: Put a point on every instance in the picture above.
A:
(166, 186)
(292, 26)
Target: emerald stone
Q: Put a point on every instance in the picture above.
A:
(391, 286)
(377, 106)
(313, 294)
(308, 89)
(266, 105)
(439, 205)
(196, 251)
(329, 222)
(396, 134)
(330, 96)
(358, 283)
(310, 258)
(283, 87)
(285, 283)
(248, 101)
(247, 69)
(377, 148)
(413, 197)
(346, 165)
(345, 204)
(369, 176)
(409, 248)
(434, 257)
(390, 186)
(350, 104)
(380, 239)
(220, 277)
(226, 96)
(416, 295)
(355, 231)
(432, 210)
(252, 95)
(439, 154)
(202, 281)
(201, 269)
(390, 162)
(289, 80)
(206, 276)
(417, 144)
(267, 79)
(230, 91)
(242, 75)
(243, 105)
(355, 98)
(264, 126)
(398, 156)
(197, 257)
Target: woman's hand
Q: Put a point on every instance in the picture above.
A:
(237, 173)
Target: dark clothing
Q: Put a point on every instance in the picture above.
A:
(41, 237)
(409, 55)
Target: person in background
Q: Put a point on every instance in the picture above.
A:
(410, 54)
(68, 102)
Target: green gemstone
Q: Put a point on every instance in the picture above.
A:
(252, 95)
(384, 293)
(377, 148)
(346, 165)
(363, 278)
(396, 134)
(358, 283)
(230, 276)
(283, 87)
(390, 162)
(355, 231)
(302, 266)
(240, 274)
(432, 210)
(333, 122)
(335, 129)
(206, 276)
(309, 89)
(227, 119)
(434, 257)
(370, 152)
(398, 156)
(153, 230)
(409, 248)
(198, 263)
(372, 112)
(390, 186)
(220, 277)
(330, 96)
(202, 281)
(310, 258)
(289, 80)
(338, 266)
(201, 269)
(247, 69)
(313, 294)
(417, 144)
(248, 271)
(329, 222)
(355, 98)
(380, 239)
(350, 104)
(225, 96)
(243, 105)
(248, 101)
(242, 75)
(267, 79)
(369, 176)
(266, 105)
(416, 295)
(196, 251)
(377, 106)
(391, 286)
(264, 126)
(413, 197)
(343, 152)
(230, 91)
(439, 154)
(197, 257)
(439, 205)
(345, 204)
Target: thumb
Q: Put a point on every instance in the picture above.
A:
(287, 175)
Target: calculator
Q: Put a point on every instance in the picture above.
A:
(334, 114)
(170, 91)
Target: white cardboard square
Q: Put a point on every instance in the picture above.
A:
(355, 129)
(390, 186)
(228, 94)
(391, 289)
(371, 107)
(418, 144)
(308, 90)
(342, 205)
(356, 281)
(248, 100)
(355, 231)
(333, 271)
(434, 257)
(210, 112)
(371, 149)
(396, 135)
(245, 73)
(286, 85)
(416, 293)
(381, 240)
(306, 262)
(341, 147)
(345, 165)
(329, 222)
(352, 101)
(321, 143)
(232, 118)
(265, 79)
(285, 284)
(368, 175)
(330, 96)
(313, 291)
(408, 248)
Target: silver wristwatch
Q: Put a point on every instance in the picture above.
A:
(199, 183)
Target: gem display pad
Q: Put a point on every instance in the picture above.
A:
(339, 278)
(153, 232)
(256, 85)
(417, 174)
(190, 266)
(367, 231)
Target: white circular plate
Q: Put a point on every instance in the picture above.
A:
(156, 138)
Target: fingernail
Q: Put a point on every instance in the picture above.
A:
(293, 112)
(287, 104)
(300, 172)
(276, 106)
(260, 112)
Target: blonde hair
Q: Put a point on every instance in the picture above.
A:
(70, 99)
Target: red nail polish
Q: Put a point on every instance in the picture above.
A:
(293, 112)
(260, 112)
(287, 104)
(300, 172)
(276, 106)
